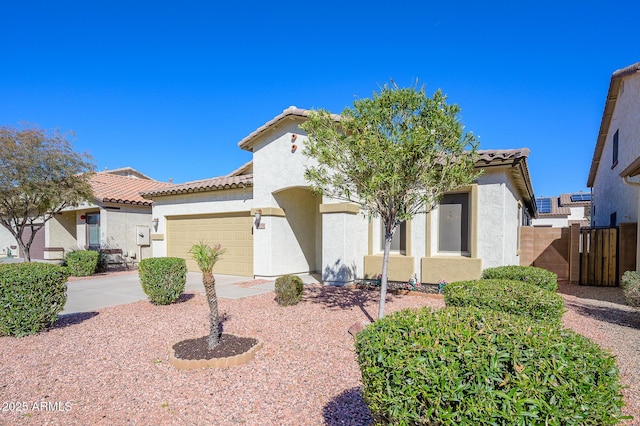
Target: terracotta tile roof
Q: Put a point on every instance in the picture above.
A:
(517, 159)
(213, 184)
(245, 169)
(499, 156)
(113, 188)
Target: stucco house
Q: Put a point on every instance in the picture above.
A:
(613, 176)
(271, 223)
(8, 244)
(563, 210)
(114, 220)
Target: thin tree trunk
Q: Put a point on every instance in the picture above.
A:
(26, 251)
(385, 269)
(209, 283)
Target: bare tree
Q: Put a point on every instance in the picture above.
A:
(40, 175)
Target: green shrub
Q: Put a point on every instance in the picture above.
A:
(82, 263)
(31, 297)
(289, 290)
(631, 287)
(103, 261)
(514, 297)
(163, 278)
(530, 274)
(467, 366)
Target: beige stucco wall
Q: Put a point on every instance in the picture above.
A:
(400, 267)
(118, 224)
(610, 194)
(233, 200)
(118, 229)
(497, 218)
(344, 243)
(293, 238)
(450, 269)
(60, 232)
(339, 236)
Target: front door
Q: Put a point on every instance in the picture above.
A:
(93, 231)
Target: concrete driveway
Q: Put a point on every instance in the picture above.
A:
(98, 292)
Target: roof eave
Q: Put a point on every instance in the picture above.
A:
(171, 192)
(607, 114)
(293, 112)
(290, 113)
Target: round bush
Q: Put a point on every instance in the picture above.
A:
(515, 297)
(467, 366)
(631, 288)
(289, 290)
(530, 274)
(82, 263)
(31, 297)
(163, 278)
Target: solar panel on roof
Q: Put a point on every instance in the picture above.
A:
(580, 197)
(544, 205)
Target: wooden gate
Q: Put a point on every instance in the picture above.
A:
(599, 257)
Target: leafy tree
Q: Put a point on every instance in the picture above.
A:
(206, 257)
(40, 175)
(394, 155)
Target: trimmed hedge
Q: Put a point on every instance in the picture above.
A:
(514, 297)
(530, 274)
(631, 288)
(31, 297)
(467, 366)
(289, 290)
(163, 278)
(82, 263)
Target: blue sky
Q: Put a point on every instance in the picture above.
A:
(170, 88)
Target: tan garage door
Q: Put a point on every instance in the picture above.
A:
(233, 231)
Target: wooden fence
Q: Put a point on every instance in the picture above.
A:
(599, 256)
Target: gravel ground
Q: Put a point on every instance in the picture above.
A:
(110, 367)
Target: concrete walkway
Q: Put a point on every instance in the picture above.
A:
(98, 292)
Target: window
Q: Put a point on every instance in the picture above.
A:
(615, 149)
(399, 241)
(453, 226)
(93, 230)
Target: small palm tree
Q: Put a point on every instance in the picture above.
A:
(206, 257)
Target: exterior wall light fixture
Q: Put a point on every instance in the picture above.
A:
(258, 216)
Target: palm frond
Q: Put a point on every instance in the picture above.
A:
(206, 256)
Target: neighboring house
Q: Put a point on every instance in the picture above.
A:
(270, 222)
(563, 211)
(615, 166)
(617, 151)
(112, 221)
(10, 247)
(8, 244)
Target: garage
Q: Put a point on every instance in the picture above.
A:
(234, 231)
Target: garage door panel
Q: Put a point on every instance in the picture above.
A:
(233, 232)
